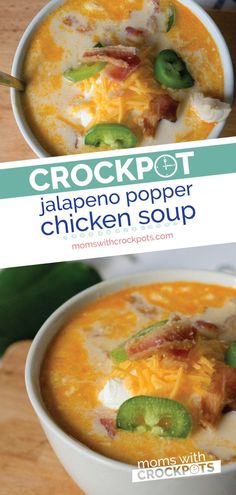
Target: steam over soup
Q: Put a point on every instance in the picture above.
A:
(148, 373)
(104, 75)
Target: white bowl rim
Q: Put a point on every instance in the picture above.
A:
(208, 22)
(37, 403)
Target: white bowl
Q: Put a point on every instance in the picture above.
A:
(94, 473)
(52, 5)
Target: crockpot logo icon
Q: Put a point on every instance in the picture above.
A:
(167, 468)
(166, 166)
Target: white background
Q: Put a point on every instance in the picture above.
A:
(22, 243)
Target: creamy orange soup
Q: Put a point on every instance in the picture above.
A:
(61, 112)
(83, 387)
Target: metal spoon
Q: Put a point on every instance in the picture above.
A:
(10, 81)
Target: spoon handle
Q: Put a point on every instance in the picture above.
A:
(7, 80)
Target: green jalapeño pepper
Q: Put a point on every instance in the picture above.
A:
(230, 355)
(171, 15)
(161, 417)
(112, 135)
(85, 71)
(171, 71)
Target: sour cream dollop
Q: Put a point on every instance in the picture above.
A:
(114, 394)
(210, 109)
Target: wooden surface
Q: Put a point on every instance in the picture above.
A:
(28, 466)
(14, 18)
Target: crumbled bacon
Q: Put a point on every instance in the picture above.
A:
(152, 22)
(109, 425)
(221, 394)
(228, 327)
(213, 402)
(230, 321)
(119, 55)
(178, 353)
(73, 22)
(143, 306)
(83, 29)
(122, 60)
(207, 329)
(118, 74)
(177, 334)
(78, 141)
(230, 384)
(116, 92)
(232, 406)
(163, 106)
(133, 31)
(156, 5)
(68, 20)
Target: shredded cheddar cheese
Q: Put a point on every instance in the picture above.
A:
(120, 102)
(152, 377)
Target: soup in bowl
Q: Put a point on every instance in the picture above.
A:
(136, 371)
(101, 75)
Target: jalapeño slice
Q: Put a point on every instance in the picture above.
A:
(85, 71)
(171, 71)
(171, 16)
(114, 136)
(230, 355)
(159, 416)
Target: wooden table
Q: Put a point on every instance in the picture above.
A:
(28, 466)
(14, 18)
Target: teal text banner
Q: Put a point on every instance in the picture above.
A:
(143, 165)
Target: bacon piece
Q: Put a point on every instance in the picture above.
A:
(143, 306)
(161, 107)
(73, 22)
(213, 402)
(156, 5)
(83, 29)
(68, 21)
(133, 31)
(178, 353)
(221, 394)
(232, 406)
(78, 141)
(230, 321)
(122, 60)
(229, 327)
(109, 425)
(207, 329)
(230, 384)
(122, 56)
(118, 74)
(177, 334)
(152, 23)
